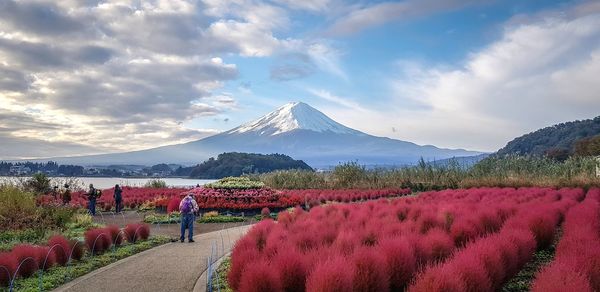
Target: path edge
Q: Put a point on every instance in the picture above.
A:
(200, 285)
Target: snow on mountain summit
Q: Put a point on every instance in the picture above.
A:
(293, 116)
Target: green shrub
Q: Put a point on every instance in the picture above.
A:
(294, 179)
(17, 209)
(81, 220)
(156, 184)
(236, 183)
(56, 216)
(38, 184)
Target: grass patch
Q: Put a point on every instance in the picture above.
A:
(176, 219)
(522, 281)
(219, 280)
(222, 219)
(162, 218)
(58, 276)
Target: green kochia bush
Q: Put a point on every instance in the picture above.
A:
(17, 209)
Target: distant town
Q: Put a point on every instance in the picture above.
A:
(52, 168)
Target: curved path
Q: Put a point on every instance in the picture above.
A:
(170, 267)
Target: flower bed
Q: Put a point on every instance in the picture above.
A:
(25, 260)
(453, 240)
(234, 199)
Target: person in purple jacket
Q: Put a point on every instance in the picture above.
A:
(188, 208)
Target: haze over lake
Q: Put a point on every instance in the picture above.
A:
(108, 182)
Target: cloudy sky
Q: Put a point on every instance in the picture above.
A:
(88, 76)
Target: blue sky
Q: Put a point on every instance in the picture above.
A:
(112, 76)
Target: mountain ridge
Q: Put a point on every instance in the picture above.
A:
(295, 129)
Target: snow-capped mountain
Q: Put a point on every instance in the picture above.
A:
(295, 129)
(290, 117)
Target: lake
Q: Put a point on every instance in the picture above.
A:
(108, 182)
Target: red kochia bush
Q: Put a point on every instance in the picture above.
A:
(260, 278)
(136, 231)
(116, 236)
(438, 278)
(472, 270)
(490, 254)
(8, 266)
(370, 271)
(26, 256)
(334, 274)
(76, 249)
(97, 240)
(435, 245)
(292, 269)
(401, 262)
(265, 212)
(173, 204)
(144, 231)
(61, 248)
(559, 276)
(46, 258)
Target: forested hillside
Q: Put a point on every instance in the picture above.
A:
(559, 141)
(236, 164)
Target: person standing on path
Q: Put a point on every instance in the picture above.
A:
(66, 195)
(118, 198)
(188, 208)
(92, 195)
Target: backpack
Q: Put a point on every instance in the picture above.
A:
(187, 206)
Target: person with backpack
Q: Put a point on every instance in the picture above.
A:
(118, 196)
(92, 195)
(188, 208)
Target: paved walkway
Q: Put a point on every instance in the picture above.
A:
(171, 267)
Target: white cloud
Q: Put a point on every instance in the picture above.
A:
(338, 101)
(538, 74)
(366, 16)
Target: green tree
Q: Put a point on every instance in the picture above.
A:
(588, 146)
(38, 184)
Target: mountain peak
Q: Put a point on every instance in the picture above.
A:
(293, 116)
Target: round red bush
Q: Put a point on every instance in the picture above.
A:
(292, 269)
(438, 278)
(136, 231)
(265, 212)
(144, 231)
(401, 262)
(116, 236)
(27, 258)
(561, 276)
(435, 245)
(97, 240)
(243, 254)
(8, 266)
(46, 257)
(260, 278)
(491, 258)
(334, 274)
(472, 271)
(76, 249)
(370, 271)
(60, 246)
